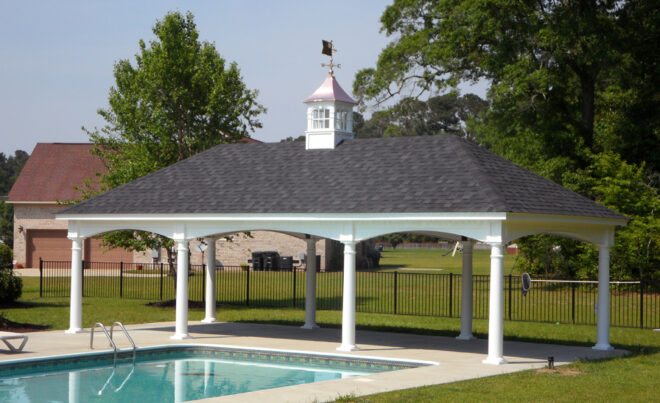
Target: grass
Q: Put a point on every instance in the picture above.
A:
(631, 378)
(439, 259)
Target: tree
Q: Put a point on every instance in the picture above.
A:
(566, 76)
(291, 139)
(10, 168)
(444, 114)
(181, 97)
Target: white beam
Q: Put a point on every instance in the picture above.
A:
(75, 312)
(310, 285)
(348, 308)
(496, 308)
(181, 330)
(466, 293)
(210, 281)
(603, 325)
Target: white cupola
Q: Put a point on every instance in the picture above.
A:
(329, 116)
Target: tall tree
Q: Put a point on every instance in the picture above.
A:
(443, 114)
(554, 68)
(179, 98)
(10, 168)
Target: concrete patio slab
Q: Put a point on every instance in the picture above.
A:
(457, 360)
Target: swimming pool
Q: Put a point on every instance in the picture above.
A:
(175, 373)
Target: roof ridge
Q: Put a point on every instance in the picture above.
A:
(469, 148)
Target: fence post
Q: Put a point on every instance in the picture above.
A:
(641, 303)
(573, 302)
(82, 278)
(396, 276)
(510, 292)
(247, 289)
(204, 282)
(451, 283)
(294, 287)
(161, 281)
(41, 277)
(121, 279)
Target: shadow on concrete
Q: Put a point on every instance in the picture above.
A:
(519, 352)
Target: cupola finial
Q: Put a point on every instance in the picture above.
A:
(330, 50)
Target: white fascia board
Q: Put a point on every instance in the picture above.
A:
(565, 219)
(289, 217)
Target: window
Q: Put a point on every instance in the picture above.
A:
(321, 119)
(341, 120)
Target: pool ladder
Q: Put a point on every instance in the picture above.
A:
(110, 340)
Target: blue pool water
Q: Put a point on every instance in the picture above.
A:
(173, 374)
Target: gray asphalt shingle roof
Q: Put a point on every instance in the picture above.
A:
(390, 175)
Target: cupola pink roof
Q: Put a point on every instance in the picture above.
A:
(330, 90)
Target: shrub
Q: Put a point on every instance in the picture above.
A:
(11, 286)
(6, 256)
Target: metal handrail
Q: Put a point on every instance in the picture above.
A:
(128, 336)
(112, 343)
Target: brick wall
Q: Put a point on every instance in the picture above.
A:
(33, 216)
(240, 248)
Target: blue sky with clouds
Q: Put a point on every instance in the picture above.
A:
(56, 58)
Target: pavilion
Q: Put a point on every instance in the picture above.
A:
(349, 190)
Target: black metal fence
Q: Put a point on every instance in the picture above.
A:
(425, 294)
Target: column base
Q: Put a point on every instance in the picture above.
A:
(74, 330)
(180, 336)
(467, 337)
(210, 320)
(495, 361)
(348, 347)
(603, 347)
(309, 326)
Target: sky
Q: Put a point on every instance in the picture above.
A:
(57, 58)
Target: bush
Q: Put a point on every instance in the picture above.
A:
(11, 286)
(6, 256)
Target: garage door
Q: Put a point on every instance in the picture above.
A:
(48, 244)
(94, 252)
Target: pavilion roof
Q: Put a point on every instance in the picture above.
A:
(427, 174)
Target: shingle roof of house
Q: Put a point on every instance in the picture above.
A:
(391, 175)
(53, 170)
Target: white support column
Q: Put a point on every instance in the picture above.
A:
(210, 281)
(75, 312)
(466, 293)
(181, 331)
(348, 308)
(496, 314)
(310, 285)
(603, 325)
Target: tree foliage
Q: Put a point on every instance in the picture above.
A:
(180, 97)
(565, 76)
(10, 168)
(443, 114)
(573, 96)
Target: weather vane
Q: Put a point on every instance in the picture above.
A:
(329, 49)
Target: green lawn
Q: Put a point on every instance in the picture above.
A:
(439, 259)
(631, 378)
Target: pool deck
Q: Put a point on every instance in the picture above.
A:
(457, 360)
